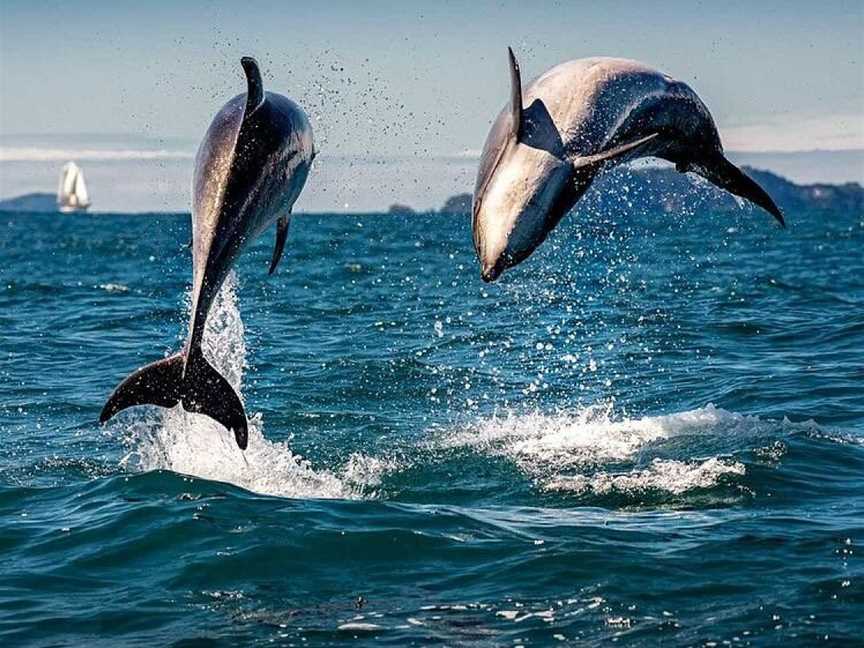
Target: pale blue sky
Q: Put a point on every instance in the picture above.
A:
(403, 78)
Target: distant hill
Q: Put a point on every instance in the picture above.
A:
(664, 189)
(458, 204)
(32, 202)
(807, 167)
(843, 197)
(398, 208)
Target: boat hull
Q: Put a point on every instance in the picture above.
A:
(69, 209)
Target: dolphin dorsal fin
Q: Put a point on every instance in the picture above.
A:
(255, 86)
(515, 94)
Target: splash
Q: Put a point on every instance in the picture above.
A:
(572, 451)
(114, 287)
(195, 445)
(666, 476)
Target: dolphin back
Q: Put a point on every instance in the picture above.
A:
(250, 169)
(213, 165)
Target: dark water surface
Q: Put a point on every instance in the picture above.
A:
(653, 430)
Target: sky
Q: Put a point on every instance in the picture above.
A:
(400, 94)
(421, 79)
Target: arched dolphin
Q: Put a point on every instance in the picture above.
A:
(546, 146)
(249, 170)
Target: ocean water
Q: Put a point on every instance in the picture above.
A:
(651, 431)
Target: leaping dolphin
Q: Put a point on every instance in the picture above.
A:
(249, 170)
(548, 144)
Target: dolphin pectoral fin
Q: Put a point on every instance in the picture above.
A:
(281, 236)
(722, 173)
(254, 85)
(515, 94)
(593, 161)
(206, 391)
(159, 383)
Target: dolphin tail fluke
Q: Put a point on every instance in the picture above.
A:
(201, 389)
(158, 383)
(722, 173)
(205, 391)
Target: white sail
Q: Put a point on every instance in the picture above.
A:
(67, 174)
(81, 189)
(72, 193)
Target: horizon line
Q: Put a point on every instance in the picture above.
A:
(56, 154)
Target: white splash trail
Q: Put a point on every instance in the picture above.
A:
(567, 452)
(195, 445)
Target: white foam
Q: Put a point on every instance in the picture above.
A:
(551, 448)
(670, 476)
(359, 627)
(114, 287)
(195, 445)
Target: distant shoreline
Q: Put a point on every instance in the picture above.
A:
(347, 184)
(648, 188)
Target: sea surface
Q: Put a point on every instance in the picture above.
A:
(651, 431)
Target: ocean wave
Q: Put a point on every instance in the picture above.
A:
(594, 452)
(665, 476)
(592, 434)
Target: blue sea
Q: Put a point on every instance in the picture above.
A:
(652, 431)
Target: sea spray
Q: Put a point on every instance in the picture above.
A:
(593, 450)
(193, 444)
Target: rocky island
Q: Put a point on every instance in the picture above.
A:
(660, 189)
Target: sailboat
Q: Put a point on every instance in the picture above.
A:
(72, 193)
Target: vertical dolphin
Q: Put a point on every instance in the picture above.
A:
(550, 141)
(249, 171)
